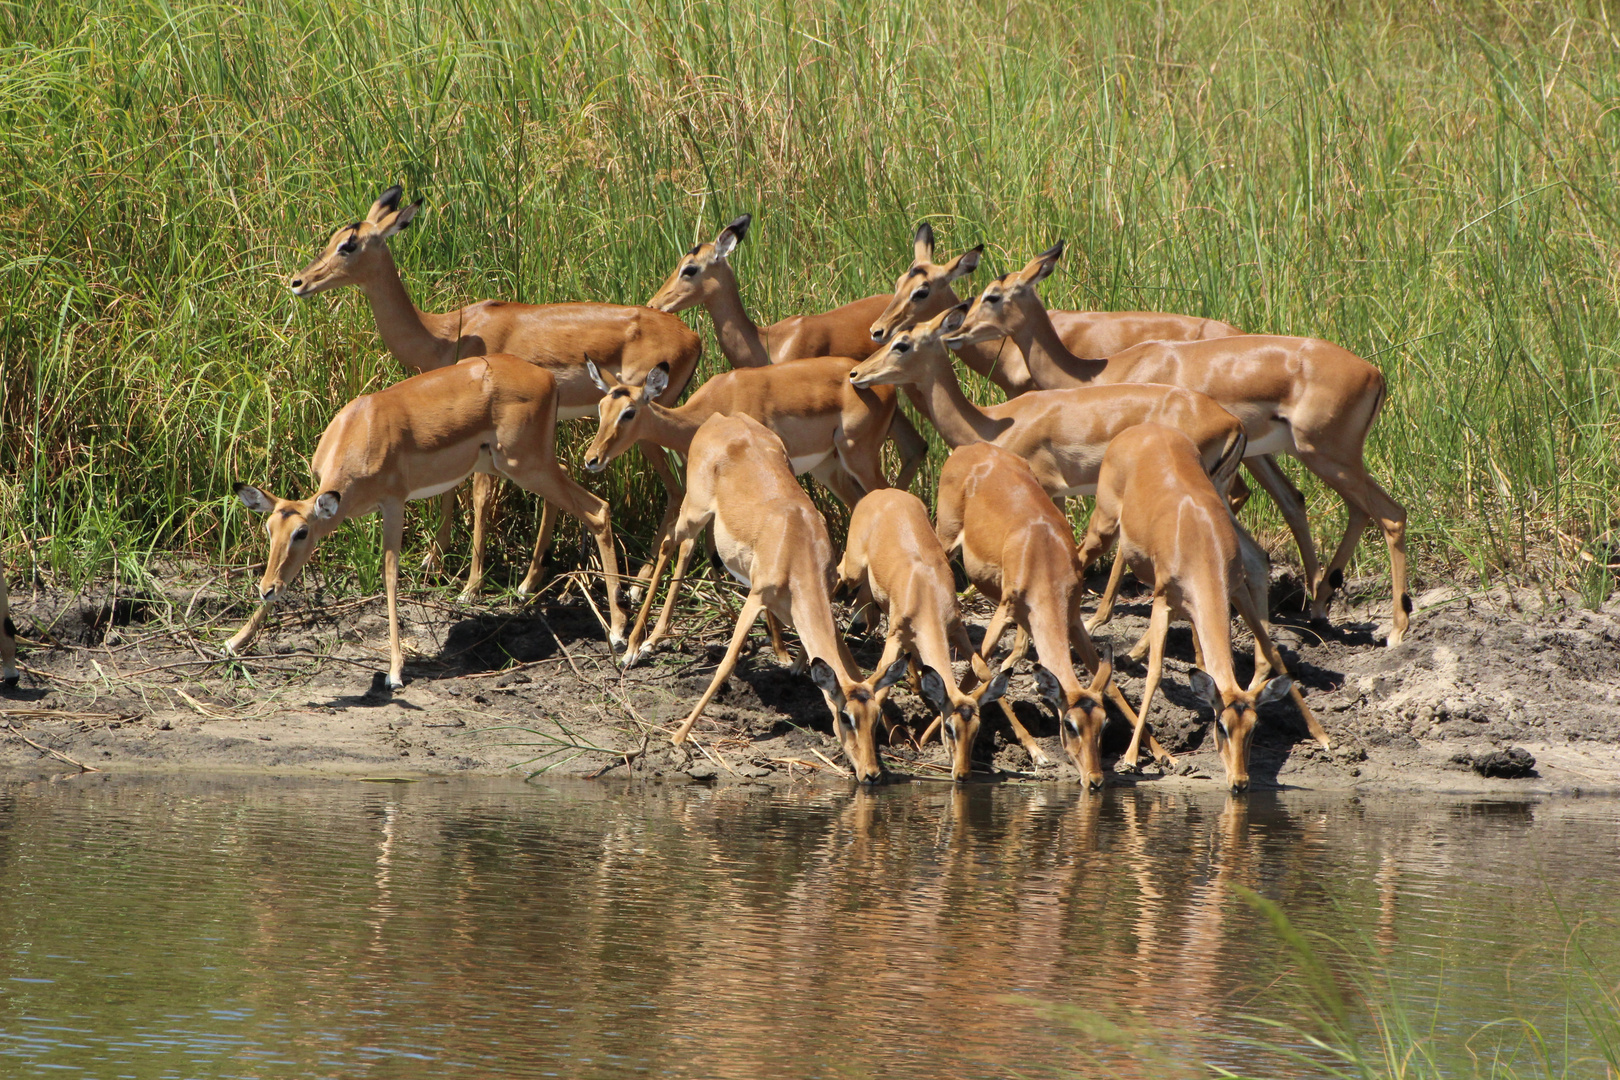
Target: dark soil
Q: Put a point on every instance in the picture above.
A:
(1489, 692)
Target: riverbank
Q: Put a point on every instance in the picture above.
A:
(126, 681)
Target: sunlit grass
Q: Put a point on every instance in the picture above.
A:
(1433, 187)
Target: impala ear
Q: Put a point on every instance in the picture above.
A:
(386, 203)
(1041, 266)
(1273, 690)
(400, 221)
(952, 320)
(1051, 691)
(965, 263)
(995, 689)
(896, 672)
(933, 691)
(732, 235)
(326, 506)
(826, 679)
(254, 499)
(1205, 687)
(657, 381)
(922, 244)
(596, 376)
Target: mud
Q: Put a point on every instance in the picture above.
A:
(120, 679)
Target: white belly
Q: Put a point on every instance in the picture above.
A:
(436, 489)
(1278, 440)
(809, 461)
(1069, 493)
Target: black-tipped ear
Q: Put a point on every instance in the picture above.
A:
(254, 499)
(1205, 687)
(657, 380)
(596, 376)
(386, 203)
(995, 689)
(896, 672)
(922, 243)
(826, 679)
(1051, 691)
(731, 236)
(739, 225)
(1275, 689)
(326, 505)
(933, 690)
(952, 320)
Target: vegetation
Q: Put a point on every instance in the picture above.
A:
(1432, 187)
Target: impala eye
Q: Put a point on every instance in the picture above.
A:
(689, 271)
(348, 247)
(902, 346)
(302, 533)
(920, 294)
(628, 414)
(996, 299)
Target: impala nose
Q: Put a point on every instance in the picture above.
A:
(296, 283)
(1239, 787)
(878, 335)
(595, 464)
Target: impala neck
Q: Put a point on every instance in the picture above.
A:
(402, 326)
(672, 428)
(960, 422)
(1050, 362)
(739, 338)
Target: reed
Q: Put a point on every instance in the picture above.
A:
(1433, 188)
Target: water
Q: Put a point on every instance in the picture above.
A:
(256, 927)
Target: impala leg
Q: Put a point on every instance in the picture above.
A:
(661, 630)
(1105, 606)
(393, 515)
(1088, 655)
(838, 480)
(1158, 626)
(483, 500)
(542, 543)
(1270, 476)
(891, 653)
(912, 447)
(632, 649)
(750, 611)
(784, 655)
(250, 630)
(433, 561)
(550, 482)
(673, 495)
(1237, 494)
(996, 627)
(1363, 493)
(1264, 645)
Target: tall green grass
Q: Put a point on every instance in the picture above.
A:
(1433, 187)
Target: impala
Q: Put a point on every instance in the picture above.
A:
(1154, 496)
(893, 553)
(830, 428)
(630, 341)
(418, 438)
(924, 290)
(772, 539)
(8, 636)
(1061, 434)
(1299, 396)
(1019, 552)
(704, 276)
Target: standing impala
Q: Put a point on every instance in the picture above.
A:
(1154, 495)
(924, 290)
(830, 428)
(8, 636)
(1061, 434)
(1019, 551)
(704, 276)
(773, 540)
(416, 439)
(893, 552)
(630, 341)
(1299, 396)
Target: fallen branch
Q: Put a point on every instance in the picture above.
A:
(57, 754)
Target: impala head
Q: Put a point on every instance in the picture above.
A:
(294, 529)
(925, 288)
(998, 311)
(907, 357)
(1080, 716)
(355, 251)
(1235, 719)
(858, 710)
(702, 272)
(959, 714)
(617, 411)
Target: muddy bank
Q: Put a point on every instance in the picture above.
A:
(131, 680)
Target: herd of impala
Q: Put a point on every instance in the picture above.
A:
(1156, 430)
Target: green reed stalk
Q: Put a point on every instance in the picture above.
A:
(1431, 188)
